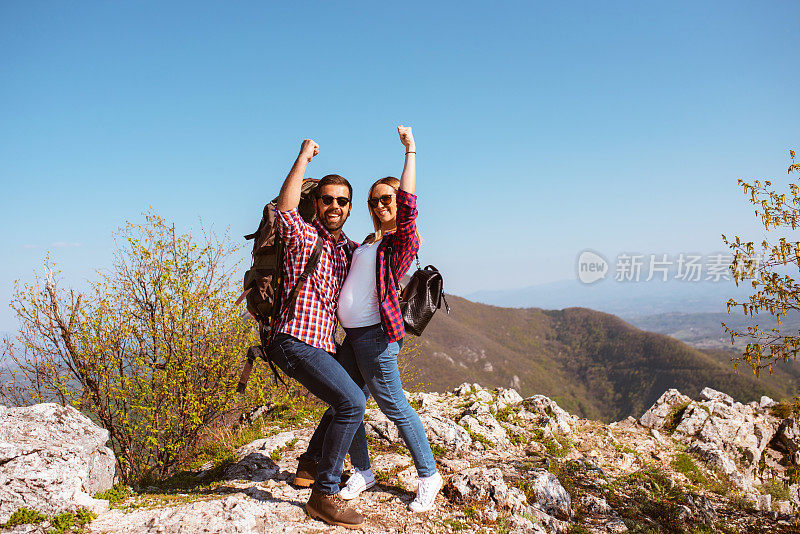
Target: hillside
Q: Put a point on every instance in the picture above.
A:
(592, 363)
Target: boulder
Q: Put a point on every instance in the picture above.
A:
(550, 494)
(714, 455)
(549, 412)
(443, 431)
(657, 415)
(485, 425)
(52, 459)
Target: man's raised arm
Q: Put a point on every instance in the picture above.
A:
(289, 197)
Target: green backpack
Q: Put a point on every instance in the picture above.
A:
(263, 283)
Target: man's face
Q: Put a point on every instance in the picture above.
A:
(333, 215)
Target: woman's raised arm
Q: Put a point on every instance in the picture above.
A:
(408, 179)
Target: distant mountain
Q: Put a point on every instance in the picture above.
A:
(704, 330)
(625, 299)
(591, 362)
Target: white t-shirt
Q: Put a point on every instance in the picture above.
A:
(358, 299)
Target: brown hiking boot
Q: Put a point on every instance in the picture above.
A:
(333, 510)
(306, 473)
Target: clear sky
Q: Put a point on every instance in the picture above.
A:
(542, 128)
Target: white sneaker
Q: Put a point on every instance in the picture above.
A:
(358, 482)
(427, 490)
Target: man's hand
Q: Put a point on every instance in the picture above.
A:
(289, 197)
(308, 150)
(406, 137)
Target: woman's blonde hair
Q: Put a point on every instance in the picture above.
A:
(392, 182)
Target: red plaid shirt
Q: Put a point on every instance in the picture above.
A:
(315, 311)
(405, 244)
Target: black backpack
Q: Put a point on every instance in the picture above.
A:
(263, 283)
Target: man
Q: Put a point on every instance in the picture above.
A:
(302, 344)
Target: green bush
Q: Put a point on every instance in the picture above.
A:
(115, 494)
(24, 516)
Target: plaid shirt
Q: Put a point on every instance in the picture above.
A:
(405, 244)
(315, 311)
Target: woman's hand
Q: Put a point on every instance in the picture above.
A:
(406, 137)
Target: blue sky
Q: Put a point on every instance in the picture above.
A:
(542, 128)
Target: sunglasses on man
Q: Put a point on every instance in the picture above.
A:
(384, 199)
(340, 201)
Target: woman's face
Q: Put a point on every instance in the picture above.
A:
(385, 212)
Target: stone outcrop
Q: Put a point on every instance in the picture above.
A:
(522, 465)
(732, 437)
(52, 459)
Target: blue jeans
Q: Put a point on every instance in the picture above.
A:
(324, 377)
(371, 361)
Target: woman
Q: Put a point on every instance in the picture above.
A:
(369, 311)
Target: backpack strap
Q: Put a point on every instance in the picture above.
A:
(310, 266)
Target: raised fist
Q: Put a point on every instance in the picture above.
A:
(406, 137)
(308, 150)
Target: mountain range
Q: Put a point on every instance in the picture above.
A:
(592, 363)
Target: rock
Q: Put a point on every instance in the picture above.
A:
(625, 461)
(550, 412)
(787, 437)
(616, 524)
(463, 390)
(388, 463)
(486, 425)
(445, 432)
(232, 514)
(478, 483)
(656, 416)
(476, 408)
(783, 507)
(766, 402)
(378, 426)
(408, 479)
(52, 459)
(597, 505)
(506, 398)
(702, 508)
(712, 454)
(550, 494)
(255, 466)
(251, 416)
(764, 503)
(483, 396)
(709, 394)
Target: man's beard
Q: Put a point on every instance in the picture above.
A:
(332, 227)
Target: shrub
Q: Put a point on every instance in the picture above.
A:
(24, 516)
(151, 350)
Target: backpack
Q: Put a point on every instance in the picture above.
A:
(263, 283)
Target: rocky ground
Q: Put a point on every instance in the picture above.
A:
(510, 465)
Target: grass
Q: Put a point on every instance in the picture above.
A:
(783, 409)
(118, 493)
(439, 451)
(24, 516)
(60, 523)
(557, 445)
(479, 438)
(674, 417)
(276, 454)
(778, 490)
(683, 463)
(455, 524)
(648, 494)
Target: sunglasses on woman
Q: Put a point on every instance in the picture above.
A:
(328, 200)
(384, 199)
